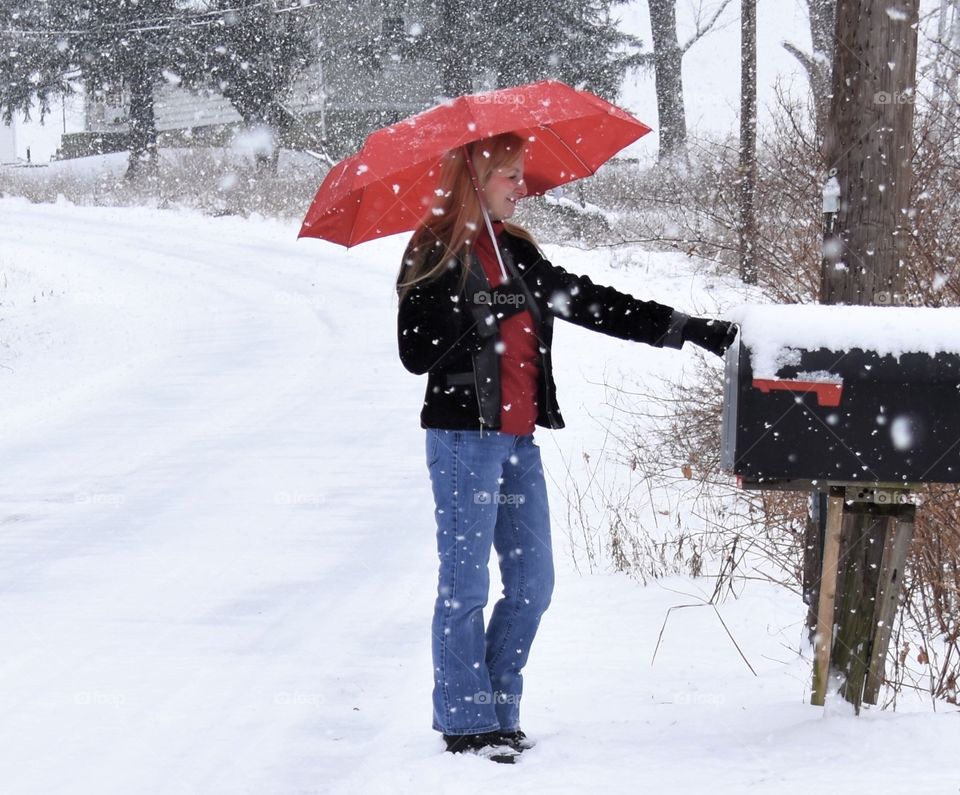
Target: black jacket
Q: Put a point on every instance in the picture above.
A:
(453, 337)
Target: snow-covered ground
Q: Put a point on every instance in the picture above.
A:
(217, 554)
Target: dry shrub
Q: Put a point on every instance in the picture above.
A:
(691, 205)
(213, 181)
(665, 442)
(927, 642)
(668, 441)
(672, 511)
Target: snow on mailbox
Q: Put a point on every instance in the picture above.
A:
(826, 394)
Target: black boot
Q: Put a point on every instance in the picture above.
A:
(489, 745)
(517, 740)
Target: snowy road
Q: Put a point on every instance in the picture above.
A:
(216, 551)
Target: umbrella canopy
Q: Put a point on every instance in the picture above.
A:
(389, 185)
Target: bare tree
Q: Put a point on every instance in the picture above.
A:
(946, 63)
(748, 139)
(868, 142)
(868, 146)
(818, 64)
(667, 62)
(458, 57)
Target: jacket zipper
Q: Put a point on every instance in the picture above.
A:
(546, 386)
(476, 387)
(476, 381)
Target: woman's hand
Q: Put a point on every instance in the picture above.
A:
(711, 335)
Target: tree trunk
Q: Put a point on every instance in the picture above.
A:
(818, 64)
(281, 122)
(455, 74)
(869, 143)
(667, 62)
(868, 147)
(822, 23)
(748, 139)
(143, 127)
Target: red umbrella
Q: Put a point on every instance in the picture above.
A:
(388, 186)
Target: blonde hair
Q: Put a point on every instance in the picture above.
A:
(455, 219)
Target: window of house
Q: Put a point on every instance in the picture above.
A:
(392, 28)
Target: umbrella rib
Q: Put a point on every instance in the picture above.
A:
(399, 200)
(382, 181)
(571, 151)
(356, 217)
(372, 225)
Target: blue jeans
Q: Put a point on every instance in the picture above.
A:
(489, 490)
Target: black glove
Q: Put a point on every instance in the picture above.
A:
(711, 335)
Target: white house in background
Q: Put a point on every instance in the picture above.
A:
(337, 99)
(175, 109)
(8, 143)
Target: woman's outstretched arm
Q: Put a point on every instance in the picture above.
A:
(607, 310)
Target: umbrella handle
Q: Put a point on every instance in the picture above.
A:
(483, 209)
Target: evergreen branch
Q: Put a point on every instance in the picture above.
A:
(188, 20)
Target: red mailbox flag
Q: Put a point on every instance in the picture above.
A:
(389, 185)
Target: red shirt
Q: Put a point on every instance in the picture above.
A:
(520, 352)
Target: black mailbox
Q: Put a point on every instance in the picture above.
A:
(840, 412)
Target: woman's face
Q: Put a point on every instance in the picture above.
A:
(504, 189)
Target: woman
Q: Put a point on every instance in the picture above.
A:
(485, 342)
